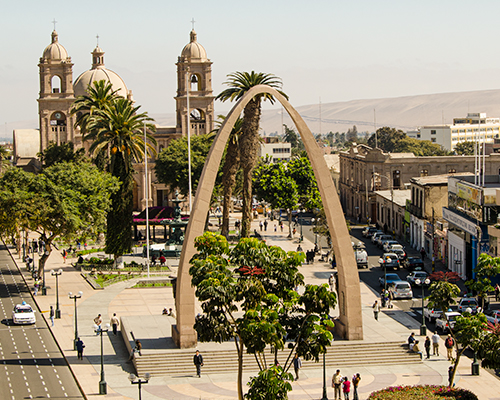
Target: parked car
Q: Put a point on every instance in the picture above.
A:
(374, 236)
(401, 254)
(445, 324)
(401, 290)
(420, 275)
(382, 238)
(390, 260)
(386, 244)
(390, 278)
(494, 318)
(468, 302)
(432, 314)
(369, 231)
(23, 314)
(414, 264)
(361, 255)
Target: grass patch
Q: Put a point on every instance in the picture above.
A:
(426, 392)
(152, 284)
(104, 280)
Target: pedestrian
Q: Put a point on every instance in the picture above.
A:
(331, 282)
(138, 347)
(376, 309)
(355, 383)
(281, 226)
(450, 375)
(336, 382)
(162, 260)
(198, 362)
(52, 315)
(390, 297)
(411, 339)
(275, 227)
(294, 231)
(449, 343)
(79, 348)
(427, 346)
(416, 349)
(98, 322)
(435, 344)
(297, 364)
(497, 292)
(114, 323)
(37, 285)
(261, 225)
(265, 225)
(346, 388)
(299, 248)
(382, 298)
(422, 253)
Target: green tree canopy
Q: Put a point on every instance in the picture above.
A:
(247, 294)
(171, 166)
(66, 200)
(395, 141)
(65, 152)
(465, 148)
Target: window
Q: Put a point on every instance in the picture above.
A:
(452, 171)
(433, 131)
(418, 135)
(396, 179)
(424, 172)
(433, 140)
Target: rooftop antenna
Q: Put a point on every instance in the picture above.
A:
(54, 22)
(375, 127)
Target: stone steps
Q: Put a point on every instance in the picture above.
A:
(180, 362)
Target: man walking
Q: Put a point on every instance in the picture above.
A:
(435, 344)
(376, 309)
(336, 383)
(198, 362)
(297, 364)
(98, 322)
(52, 314)
(79, 348)
(114, 323)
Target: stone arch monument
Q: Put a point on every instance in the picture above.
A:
(349, 324)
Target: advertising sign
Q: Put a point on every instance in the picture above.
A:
(466, 192)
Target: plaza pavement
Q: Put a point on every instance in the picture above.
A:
(128, 302)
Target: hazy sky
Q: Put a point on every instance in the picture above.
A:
(333, 50)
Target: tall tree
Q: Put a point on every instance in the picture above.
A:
(247, 294)
(114, 126)
(65, 152)
(352, 134)
(239, 84)
(66, 200)
(300, 170)
(465, 148)
(4, 158)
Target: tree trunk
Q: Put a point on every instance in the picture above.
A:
(249, 147)
(228, 180)
(239, 347)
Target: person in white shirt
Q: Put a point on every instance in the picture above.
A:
(435, 344)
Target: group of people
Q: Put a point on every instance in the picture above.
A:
(114, 322)
(433, 341)
(342, 384)
(168, 312)
(161, 259)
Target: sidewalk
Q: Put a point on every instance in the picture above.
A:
(121, 299)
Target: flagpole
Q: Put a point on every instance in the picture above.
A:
(146, 193)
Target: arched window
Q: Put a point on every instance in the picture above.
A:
(396, 179)
(55, 84)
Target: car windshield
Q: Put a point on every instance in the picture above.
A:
(402, 286)
(18, 310)
(392, 277)
(469, 302)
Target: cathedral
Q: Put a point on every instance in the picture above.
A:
(58, 91)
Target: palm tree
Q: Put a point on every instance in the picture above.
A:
(229, 170)
(115, 128)
(240, 83)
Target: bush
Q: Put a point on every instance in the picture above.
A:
(422, 392)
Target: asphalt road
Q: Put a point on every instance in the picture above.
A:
(31, 364)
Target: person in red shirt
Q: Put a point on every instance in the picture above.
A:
(346, 388)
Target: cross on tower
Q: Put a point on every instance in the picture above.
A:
(54, 22)
(97, 37)
(192, 22)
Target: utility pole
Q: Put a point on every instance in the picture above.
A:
(433, 246)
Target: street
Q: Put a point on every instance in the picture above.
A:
(32, 362)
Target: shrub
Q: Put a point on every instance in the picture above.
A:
(427, 392)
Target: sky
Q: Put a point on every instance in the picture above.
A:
(328, 51)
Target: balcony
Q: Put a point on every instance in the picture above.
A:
(414, 210)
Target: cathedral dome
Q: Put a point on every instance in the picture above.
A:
(55, 51)
(99, 72)
(193, 49)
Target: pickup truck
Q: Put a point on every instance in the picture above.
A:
(361, 255)
(445, 324)
(432, 314)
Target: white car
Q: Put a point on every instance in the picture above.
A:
(420, 275)
(23, 314)
(432, 314)
(494, 318)
(444, 324)
(387, 245)
(374, 236)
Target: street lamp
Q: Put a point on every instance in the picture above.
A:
(102, 383)
(325, 396)
(383, 262)
(56, 274)
(44, 287)
(301, 221)
(132, 378)
(74, 297)
(422, 283)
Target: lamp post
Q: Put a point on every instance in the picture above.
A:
(325, 396)
(132, 378)
(423, 327)
(301, 222)
(44, 287)
(75, 297)
(56, 274)
(102, 382)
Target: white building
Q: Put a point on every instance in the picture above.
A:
(462, 129)
(277, 151)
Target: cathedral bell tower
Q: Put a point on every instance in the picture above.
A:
(56, 95)
(194, 80)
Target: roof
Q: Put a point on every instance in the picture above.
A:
(435, 179)
(55, 50)
(400, 196)
(193, 49)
